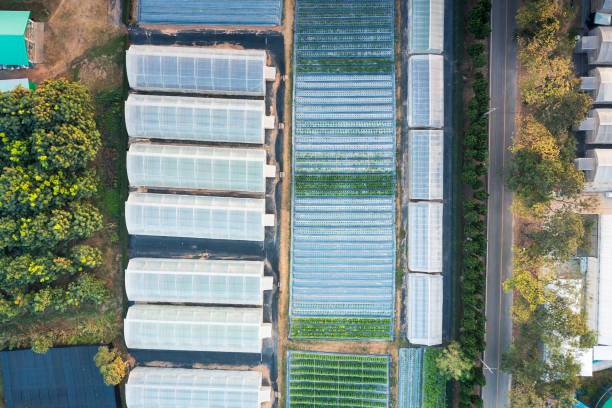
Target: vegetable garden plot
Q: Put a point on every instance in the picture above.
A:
(343, 241)
(337, 380)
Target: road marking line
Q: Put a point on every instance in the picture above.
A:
(501, 246)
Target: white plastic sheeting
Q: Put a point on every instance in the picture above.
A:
(602, 54)
(200, 119)
(604, 316)
(602, 92)
(425, 297)
(426, 91)
(196, 281)
(426, 164)
(196, 167)
(149, 387)
(197, 70)
(602, 127)
(425, 236)
(195, 328)
(601, 175)
(173, 215)
(426, 26)
(602, 6)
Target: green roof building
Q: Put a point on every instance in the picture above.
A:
(20, 38)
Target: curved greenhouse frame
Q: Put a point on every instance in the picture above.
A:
(197, 119)
(195, 328)
(196, 281)
(173, 215)
(198, 70)
(425, 236)
(194, 388)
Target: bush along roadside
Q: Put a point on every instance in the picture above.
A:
(473, 177)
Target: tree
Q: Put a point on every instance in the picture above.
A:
(112, 366)
(559, 238)
(453, 363)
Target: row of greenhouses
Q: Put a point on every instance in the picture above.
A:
(425, 118)
(183, 187)
(343, 230)
(195, 388)
(177, 120)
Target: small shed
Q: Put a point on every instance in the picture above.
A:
(65, 377)
(20, 38)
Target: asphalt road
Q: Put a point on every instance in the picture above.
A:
(503, 90)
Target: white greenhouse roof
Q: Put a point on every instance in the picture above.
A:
(601, 175)
(426, 26)
(195, 328)
(602, 54)
(426, 164)
(603, 84)
(598, 126)
(197, 70)
(197, 167)
(196, 281)
(604, 315)
(149, 387)
(424, 304)
(426, 91)
(425, 237)
(199, 119)
(172, 215)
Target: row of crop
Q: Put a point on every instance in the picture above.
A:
(336, 365)
(304, 402)
(332, 39)
(343, 155)
(301, 178)
(324, 381)
(352, 12)
(317, 391)
(337, 357)
(331, 330)
(471, 337)
(348, 379)
(345, 69)
(343, 31)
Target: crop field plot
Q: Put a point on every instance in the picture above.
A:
(343, 240)
(337, 380)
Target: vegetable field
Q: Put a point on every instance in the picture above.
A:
(343, 240)
(337, 380)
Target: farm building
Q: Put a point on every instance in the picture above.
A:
(197, 119)
(598, 126)
(425, 26)
(194, 388)
(210, 12)
(597, 167)
(425, 237)
(601, 6)
(195, 328)
(426, 91)
(196, 281)
(424, 309)
(21, 39)
(7, 85)
(198, 70)
(599, 84)
(63, 377)
(172, 215)
(199, 168)
(598, 46)
(426, 160)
